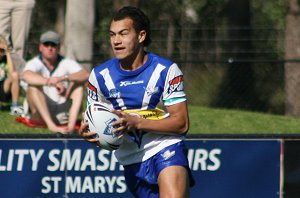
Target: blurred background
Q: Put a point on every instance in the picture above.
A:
(235, 54)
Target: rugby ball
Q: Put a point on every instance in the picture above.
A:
(100, 119)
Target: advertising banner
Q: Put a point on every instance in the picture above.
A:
(235, 168)
(75, 168)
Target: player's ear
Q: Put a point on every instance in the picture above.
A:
(142, 36)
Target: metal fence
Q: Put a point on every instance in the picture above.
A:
(242, 72)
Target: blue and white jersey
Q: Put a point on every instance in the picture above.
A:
(148, 89)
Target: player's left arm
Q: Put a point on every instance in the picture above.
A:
(177, 123)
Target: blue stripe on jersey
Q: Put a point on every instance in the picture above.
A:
(123, 88)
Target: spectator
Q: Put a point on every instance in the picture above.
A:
(55, 86)
(15, 16)
(9, 77)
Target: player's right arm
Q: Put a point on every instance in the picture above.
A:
(84, 131)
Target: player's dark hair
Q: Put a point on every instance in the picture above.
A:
(140, 20)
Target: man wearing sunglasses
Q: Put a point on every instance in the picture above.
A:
(55, 86)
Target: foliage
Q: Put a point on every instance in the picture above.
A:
(272, 12)
(268, 41)
(198, 36)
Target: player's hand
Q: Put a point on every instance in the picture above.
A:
(126, 122)
(85, 132)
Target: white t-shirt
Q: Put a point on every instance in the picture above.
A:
(64, 66)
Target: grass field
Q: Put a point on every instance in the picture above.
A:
(203, 120)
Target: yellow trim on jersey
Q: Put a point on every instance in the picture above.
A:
(153, 114)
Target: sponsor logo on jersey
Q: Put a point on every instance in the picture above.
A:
(151, 90)
(128, 83)
(168, 154)
(114, 93)
(176, 84)
(151, 114)
(92, 91)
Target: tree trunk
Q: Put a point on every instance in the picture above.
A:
(240, 74)
(60, 19)
(292, 51)
(170, 38)
(79, 31)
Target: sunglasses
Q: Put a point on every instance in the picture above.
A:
(46, 44)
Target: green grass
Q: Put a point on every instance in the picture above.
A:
(203, 120)
(216, 121)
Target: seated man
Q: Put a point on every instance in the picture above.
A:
(55, 85)
(9, 77)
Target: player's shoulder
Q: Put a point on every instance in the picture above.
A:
(105, 65)
(160, 60)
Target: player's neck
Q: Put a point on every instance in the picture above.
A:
(134, 62)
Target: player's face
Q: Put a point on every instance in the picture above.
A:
(49, 50)
(125, 41)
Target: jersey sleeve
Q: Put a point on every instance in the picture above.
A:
(94, 91)
(174, 86)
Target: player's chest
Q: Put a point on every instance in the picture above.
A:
(135, 87)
